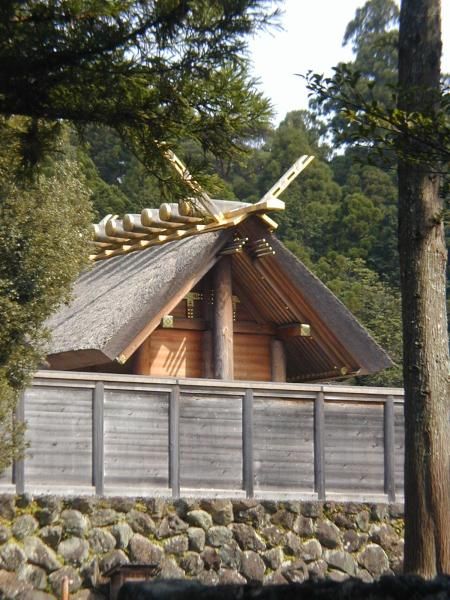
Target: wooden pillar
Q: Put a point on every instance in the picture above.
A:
(223, 320)
(278, 360)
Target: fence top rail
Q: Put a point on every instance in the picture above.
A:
(111, 380)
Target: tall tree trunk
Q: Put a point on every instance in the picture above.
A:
(422, 263)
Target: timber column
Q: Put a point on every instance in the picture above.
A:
(223, 320)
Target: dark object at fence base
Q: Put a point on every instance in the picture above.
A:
(138, 574)
(393, 588)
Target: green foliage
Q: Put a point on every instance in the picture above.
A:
(373, 302)
(44, 218)
(153, 71)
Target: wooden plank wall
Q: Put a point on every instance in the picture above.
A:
(123, 434)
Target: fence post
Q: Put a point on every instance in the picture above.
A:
(389, 449)
(247, 443)
(319, 445)
(98, 442)
(18, 471)
(174, 441)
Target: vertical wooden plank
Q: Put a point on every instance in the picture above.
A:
(247, 444)
(389, 449)
(319, 445)
(18, 473)
(278, 358)
(207, 352)
(223, 320)
(174, 441)
(98, 446)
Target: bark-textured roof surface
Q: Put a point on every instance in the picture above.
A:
(115, 299)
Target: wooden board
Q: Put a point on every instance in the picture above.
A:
(354, 450)
(283, 444)
(59, 432)
(136, 438)
(211, 442)
(252, 357)
(171, 353)
(399, 421)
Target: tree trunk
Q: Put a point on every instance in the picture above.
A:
(422, 262)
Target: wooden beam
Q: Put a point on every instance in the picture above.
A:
(248, 475)
(278, 357)
(294, 330)
(174, 441)
(98, 469)
(319, 445)
(389, 449)
(155, 321)
(223, 320)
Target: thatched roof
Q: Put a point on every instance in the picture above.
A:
(115, 299)
(119, 298)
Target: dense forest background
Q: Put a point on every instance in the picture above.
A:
(341, 213)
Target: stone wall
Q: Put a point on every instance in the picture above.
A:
(45, 538)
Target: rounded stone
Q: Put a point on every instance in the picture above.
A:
(141, 522)
(362, 520)
(170, 570)
(24, 526)
(296, 572)
(255, 516)
(208, 578)
(221, 511)
(24, 500)
(341, 560)
(311, 509)
(229, 576)
(122, 533)
(103, 517)
(85, 504)
(284, 518)
(113, 559)
(273, 558)
(328, 534)
(275, 578)
(178, 544)
(41, 555)
(310, 551)
(192, 564)
(252, 567)
(374, 560)
(12, 556)
(51, 535)
(292, 544)
(74, 522)
(303, 526)
(56, 579)
(143, 551)
(273, 535)
(218, 535)
(211, 558)
(230, 555)
(337, 576)
(199, 518)
(101, 541)
(7, 507)
(171, 525)
(5, 534)
(384, 535)
(196, 538)
(33, 575)
(247, 538)
(317, 570)
(74, 550)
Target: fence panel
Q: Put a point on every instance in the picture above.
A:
(136, 433)
(284, 444)
(354, 452)
(59, 434)
(210, 441)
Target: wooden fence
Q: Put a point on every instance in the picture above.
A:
(133, 435)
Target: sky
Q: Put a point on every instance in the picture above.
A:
(311, 40)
